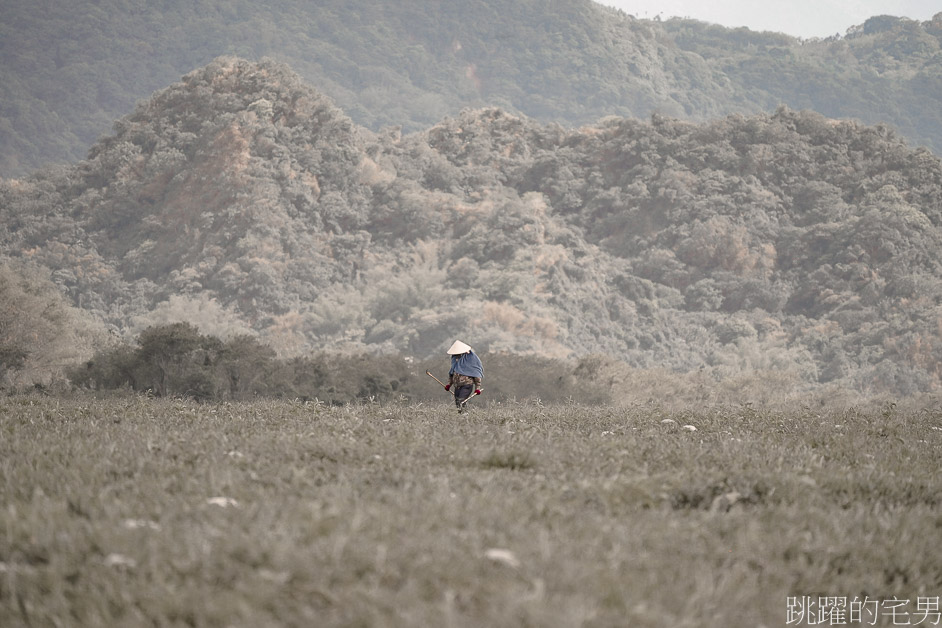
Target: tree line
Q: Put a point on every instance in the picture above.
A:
(177, 360)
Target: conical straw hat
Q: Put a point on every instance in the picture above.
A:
(458, 348)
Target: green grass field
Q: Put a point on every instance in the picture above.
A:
(152, 512)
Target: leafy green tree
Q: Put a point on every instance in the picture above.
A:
(175, 359)
(248, 365)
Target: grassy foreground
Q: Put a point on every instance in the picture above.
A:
(144, 512)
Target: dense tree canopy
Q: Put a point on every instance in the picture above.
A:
(240, 199)
(70, 68)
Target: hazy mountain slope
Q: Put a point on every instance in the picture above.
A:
(408, 63)
(237, 180)
(69, 69)
(241, 199)
(885, 70)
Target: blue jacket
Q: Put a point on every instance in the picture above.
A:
(467, 364)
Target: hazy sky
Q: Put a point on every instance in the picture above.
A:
(801, 18)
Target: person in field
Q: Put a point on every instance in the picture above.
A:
(466, 373)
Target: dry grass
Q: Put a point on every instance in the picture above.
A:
(143, 512)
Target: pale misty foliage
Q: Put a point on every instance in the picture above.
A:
(40, 333)
(785, 243)
(203, 312)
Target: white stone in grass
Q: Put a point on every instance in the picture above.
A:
(16, 568)
(690, 428)
(120, 561)
(668, 422)
(807, 480)
(223, 502)
(503, 556)
(723, 503)
(278, 577)
(136, 524)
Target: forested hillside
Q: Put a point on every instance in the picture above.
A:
(70, 68)
(885, 70)
(241, 200)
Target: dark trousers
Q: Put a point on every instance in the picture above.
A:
(462, 393)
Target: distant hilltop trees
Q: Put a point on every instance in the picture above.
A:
(412, 63)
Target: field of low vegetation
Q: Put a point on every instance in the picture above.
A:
(136, 511)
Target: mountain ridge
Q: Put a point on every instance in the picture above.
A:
(570, 62)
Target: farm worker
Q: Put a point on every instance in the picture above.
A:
(466, 373)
